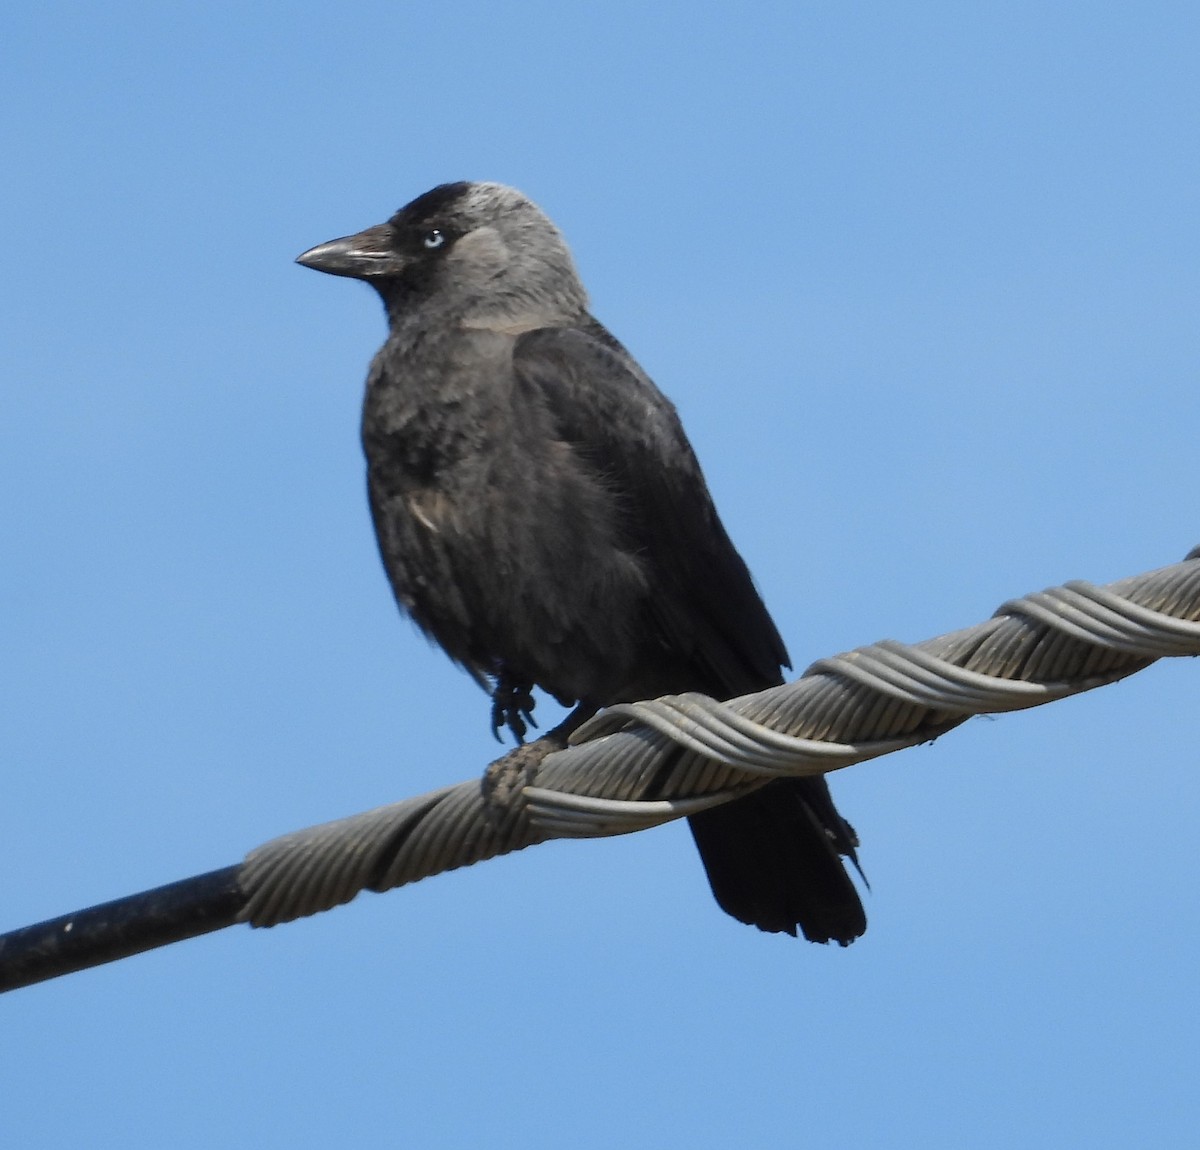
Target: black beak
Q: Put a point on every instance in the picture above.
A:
(363, 256)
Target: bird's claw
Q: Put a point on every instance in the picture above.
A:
(512, 707)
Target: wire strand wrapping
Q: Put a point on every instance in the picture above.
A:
(842, 710)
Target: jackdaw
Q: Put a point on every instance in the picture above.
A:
(542, 517)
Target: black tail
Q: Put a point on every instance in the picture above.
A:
(774, 861)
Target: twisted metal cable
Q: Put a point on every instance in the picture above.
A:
(843, 710)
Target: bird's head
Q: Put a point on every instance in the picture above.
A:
(484, 253)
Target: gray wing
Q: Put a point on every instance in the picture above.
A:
(703, 606)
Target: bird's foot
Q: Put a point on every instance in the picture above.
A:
(512, 707)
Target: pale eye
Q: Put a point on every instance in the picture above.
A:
(434, 239)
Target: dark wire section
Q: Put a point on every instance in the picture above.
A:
(117, 929)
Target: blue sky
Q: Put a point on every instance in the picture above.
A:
(923, 281)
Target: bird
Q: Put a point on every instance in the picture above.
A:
(543, 518)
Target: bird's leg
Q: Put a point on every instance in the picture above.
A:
(563, 732)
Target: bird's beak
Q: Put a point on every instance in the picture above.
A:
(363, 256)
